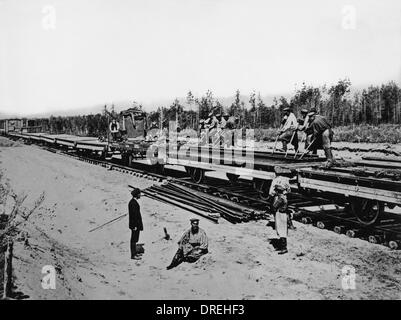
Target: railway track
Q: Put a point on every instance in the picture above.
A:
(316, 211)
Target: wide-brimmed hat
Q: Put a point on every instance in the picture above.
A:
(279, 187)
(135, 192)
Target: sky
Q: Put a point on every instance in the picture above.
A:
(69, 54)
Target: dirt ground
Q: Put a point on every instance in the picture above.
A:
(241, 263)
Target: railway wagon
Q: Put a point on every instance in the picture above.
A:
(365, 196)
(12, 125)
(365, 188)
(3, 126)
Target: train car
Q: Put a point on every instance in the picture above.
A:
(359, 186)
(3, 126)
(131, 142)
(367, 187)
(12, 125)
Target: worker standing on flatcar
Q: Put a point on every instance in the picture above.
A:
(224, 119)
(135, 222)
(321, 136)
(114, 129)
(215, 121)
(201, 124)
(288, 132)
(303, 123)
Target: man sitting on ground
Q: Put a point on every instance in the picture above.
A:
(192, 245)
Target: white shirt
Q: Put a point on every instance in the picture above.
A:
(117, 127)
(280, 180)
(291, 123)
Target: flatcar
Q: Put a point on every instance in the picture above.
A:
(365, 195)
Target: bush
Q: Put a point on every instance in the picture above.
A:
(385, 133)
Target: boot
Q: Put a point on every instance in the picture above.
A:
(178, 258)
(133, 250)
(290, 224)
(283, 247)
(329, 157)
(285, 146)
(173, 264)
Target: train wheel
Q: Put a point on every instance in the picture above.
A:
(232, 177)
(366, 211)
(130, 158)
(262, 187)
(198, 175)
(159, 168)
(124, 159)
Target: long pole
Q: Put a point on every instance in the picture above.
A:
(275, 143)
(292, 137)
(307, 149)
(108, 222)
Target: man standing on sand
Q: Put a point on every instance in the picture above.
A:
(280, 217)
(135, 221)
(192, 245)
(283, 179)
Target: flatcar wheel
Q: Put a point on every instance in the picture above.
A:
(366, 211)
(198, 175)
(233, 178)
(262, 187)
(130, 158)
(159, 168)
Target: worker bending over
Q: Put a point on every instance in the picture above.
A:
(321, 136)
(192, 245)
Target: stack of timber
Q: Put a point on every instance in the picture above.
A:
(202, 204)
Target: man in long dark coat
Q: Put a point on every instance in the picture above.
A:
(135, 221)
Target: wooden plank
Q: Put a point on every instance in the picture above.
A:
(379, 164)
(223, 168)
(385, 159)
(351, 179)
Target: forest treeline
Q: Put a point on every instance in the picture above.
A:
(374, 105)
